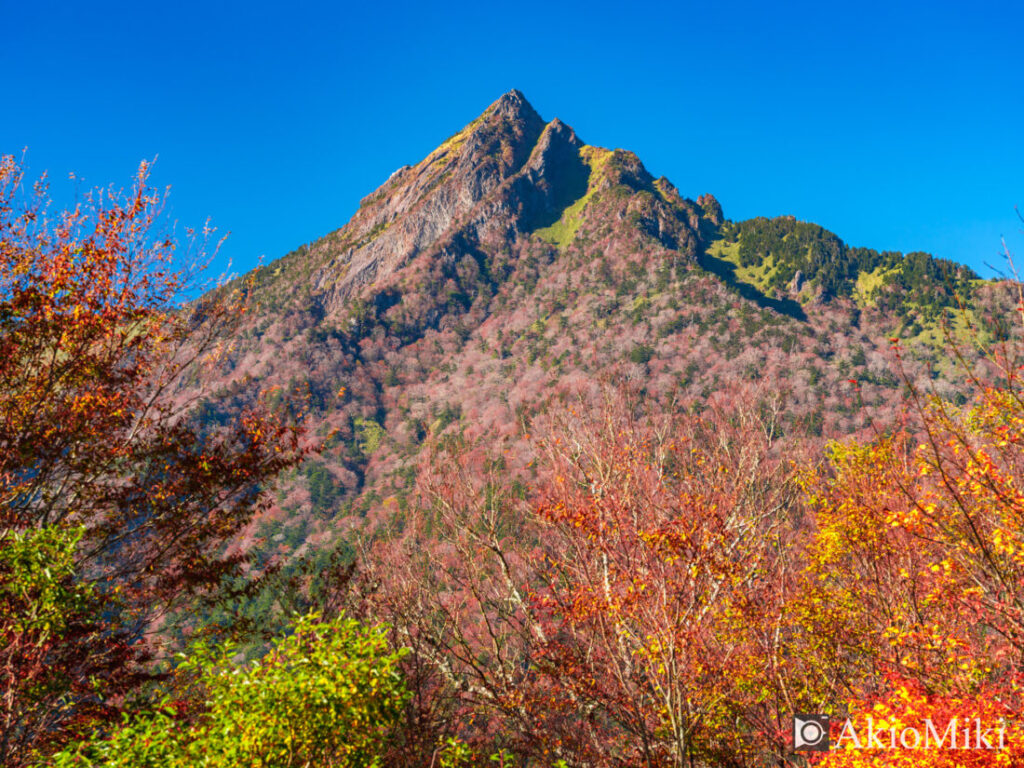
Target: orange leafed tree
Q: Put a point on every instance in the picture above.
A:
(96, 438)
(917, 729)
(674, 546)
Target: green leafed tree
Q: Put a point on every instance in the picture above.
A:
(329, 694)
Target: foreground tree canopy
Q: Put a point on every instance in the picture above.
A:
(115, 505)
(657, 584)
(328, 694)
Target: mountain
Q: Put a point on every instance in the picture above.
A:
(515, 264)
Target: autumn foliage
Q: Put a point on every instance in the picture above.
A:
(624, 615)
(900, 719)
(677, 583)
(115, 503)
(639, 581)
(667, 578)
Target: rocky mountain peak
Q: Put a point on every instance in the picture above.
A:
(507, 182)
(514, 106)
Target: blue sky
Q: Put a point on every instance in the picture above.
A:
(896, 125)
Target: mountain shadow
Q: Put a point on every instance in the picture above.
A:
(726, 272)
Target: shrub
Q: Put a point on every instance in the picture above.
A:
(326, 695)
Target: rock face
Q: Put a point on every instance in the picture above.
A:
(712, 209)
(796, 283)
(512, 265)
(504, 176)
(418, 205)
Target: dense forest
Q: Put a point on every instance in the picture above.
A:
(655, 565)
(820, 257)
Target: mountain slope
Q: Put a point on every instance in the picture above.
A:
(516, 263)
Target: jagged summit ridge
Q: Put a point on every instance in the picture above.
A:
(507, 179)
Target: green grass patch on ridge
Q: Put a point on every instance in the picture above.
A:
(564, 230)
(868, 284)
(757, 275)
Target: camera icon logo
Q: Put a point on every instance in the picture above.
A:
(810, 733)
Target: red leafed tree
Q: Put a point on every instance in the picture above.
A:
(96, 438)
(667, 582)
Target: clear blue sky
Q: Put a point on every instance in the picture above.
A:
(896, 125)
